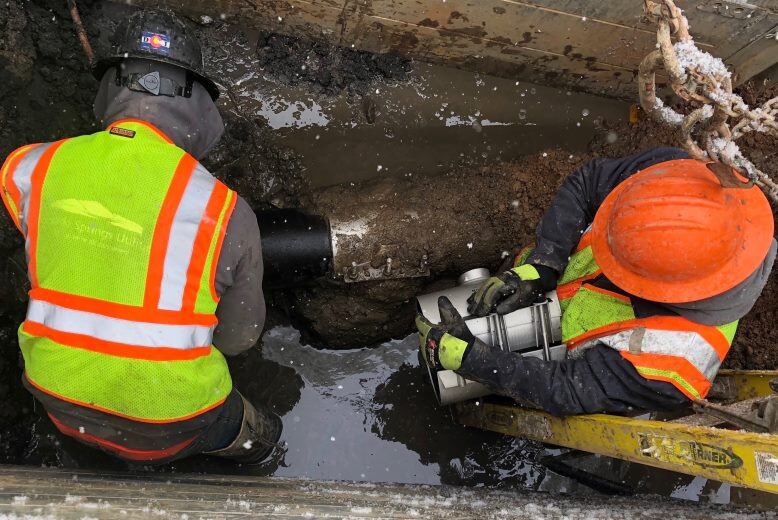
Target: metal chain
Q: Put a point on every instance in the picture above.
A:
(705, 83)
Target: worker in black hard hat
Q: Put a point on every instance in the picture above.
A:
(157, 37)
(145, 269)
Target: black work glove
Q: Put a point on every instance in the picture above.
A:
(444, 345)
(513, 289)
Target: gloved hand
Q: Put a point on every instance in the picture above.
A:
(445, 345)
(513, 289)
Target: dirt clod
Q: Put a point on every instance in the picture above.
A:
(326, 68)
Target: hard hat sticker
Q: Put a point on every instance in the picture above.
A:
(155, 42)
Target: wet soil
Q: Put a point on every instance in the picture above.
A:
(454, 221)
(326, 68)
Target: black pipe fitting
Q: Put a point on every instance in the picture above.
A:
(296, 247)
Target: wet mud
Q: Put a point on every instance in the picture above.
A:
(453, 222)
(326, 68)
(478, 212)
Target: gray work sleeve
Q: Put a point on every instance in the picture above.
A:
(578, 199)
(241, 310)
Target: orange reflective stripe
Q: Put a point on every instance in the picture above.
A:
(9, 186)
(606, 292)
(82, 341)
(159, 241)
(219, 244)
(202, 245)
(568, 290)
(121, 311)
(148, 125)
(672, 323)
(112, 412)
(671, 369)
(37, 180)
(126, 453)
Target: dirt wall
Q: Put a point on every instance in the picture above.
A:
(456, 220)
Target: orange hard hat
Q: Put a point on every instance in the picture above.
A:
(671, 233)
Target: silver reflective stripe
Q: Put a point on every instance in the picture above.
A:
(22, 178)
(104, 328)
(182, 236)
(685, 344)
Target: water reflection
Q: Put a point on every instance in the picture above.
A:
(406, 412)
(369, 414)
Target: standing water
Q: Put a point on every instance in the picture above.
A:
(370, 415)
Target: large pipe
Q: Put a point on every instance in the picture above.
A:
(431, 227)
(296, 246)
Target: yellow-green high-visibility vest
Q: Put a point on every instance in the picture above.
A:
(666, 348)
(123, 231)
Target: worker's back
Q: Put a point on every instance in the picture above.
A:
(131, 247)
(122, 231)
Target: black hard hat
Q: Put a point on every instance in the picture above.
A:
(157, 35)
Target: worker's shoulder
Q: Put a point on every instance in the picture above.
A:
(203, 172)
(243, 217)
(624, 167)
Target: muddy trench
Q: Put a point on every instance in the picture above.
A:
(347, 134)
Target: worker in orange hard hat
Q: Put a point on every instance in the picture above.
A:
(653, 262)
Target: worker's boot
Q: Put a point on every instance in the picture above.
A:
(258, 436)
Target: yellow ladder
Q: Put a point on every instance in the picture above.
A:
(704, 447)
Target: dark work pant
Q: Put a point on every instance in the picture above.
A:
(222, 432)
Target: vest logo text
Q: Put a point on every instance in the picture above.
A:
(123, 132)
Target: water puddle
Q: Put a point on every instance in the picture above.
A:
(369, 415)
